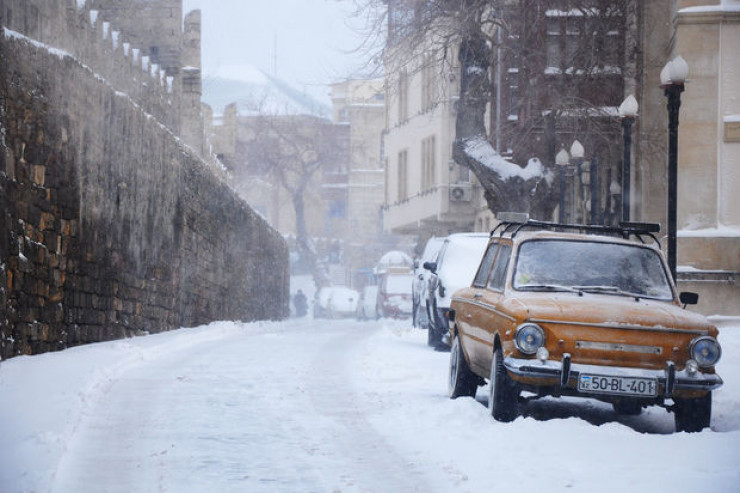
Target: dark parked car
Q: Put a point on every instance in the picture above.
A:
(453, 269)
(582, 311)
(421, 277)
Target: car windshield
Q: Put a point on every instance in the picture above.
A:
(591, 266)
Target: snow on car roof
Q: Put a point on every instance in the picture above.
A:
(460, 260)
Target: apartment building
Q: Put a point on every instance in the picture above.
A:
(426, 192)
(360, 105)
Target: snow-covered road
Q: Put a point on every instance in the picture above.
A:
(304, 406)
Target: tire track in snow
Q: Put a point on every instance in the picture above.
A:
(371, 462)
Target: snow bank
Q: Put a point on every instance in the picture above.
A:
(45, 397)
(393, 387)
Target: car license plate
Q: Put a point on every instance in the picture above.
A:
(618, 385)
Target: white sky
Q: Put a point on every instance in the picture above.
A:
(312, 37)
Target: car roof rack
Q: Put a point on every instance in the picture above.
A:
(512, 223)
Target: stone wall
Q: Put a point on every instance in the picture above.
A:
(110, 225)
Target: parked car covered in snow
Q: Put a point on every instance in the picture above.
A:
(586, 311)
(453, 269)
(421, 276)
(393, 260)
(366, 306)
(394, 294)
(335, 302)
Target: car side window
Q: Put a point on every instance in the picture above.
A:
(441, 254)
(498, 275)
(485, 266)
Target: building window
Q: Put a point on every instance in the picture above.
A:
(403, 176)
(386, 180)
(338, 209)
(514, 100)
(428, 83)
(428, 163)
(582, 42)
(403, 96)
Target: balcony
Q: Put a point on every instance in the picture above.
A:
(440, 210)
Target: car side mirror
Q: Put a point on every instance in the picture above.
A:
(431, 266)
(688, 298)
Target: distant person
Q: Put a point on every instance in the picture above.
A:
(300, 303)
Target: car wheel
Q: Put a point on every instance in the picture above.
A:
(503, 393)
(693, 415)
(627, 408)
(462, 382)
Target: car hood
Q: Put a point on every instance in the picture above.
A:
(607, 310)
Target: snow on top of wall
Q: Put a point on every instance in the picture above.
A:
(732, 118)
(481, 150)
(725, 6)
(54, 51)
(721, 231)
(571, 12)
(606, 69)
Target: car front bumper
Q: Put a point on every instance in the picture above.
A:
(566, 375)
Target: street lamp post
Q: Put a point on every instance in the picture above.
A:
(561, 160)
(576, 154)
(672, 79)
(628, 112)
(594, 190)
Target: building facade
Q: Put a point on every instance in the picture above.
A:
(708, 253)
(426, 192)
(360, 104)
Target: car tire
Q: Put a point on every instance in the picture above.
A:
(693, 415)
(503, 393)
(627, 408)
(462, 382)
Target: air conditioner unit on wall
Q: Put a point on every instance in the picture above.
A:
(461, 192)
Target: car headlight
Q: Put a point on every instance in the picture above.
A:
(705, 350)
(529, 337)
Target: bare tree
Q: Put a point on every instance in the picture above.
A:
(291, 150)
(559, 80)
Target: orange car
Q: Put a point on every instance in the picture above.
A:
(587, 311)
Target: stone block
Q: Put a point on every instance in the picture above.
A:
(47, 221)
(38, 174)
